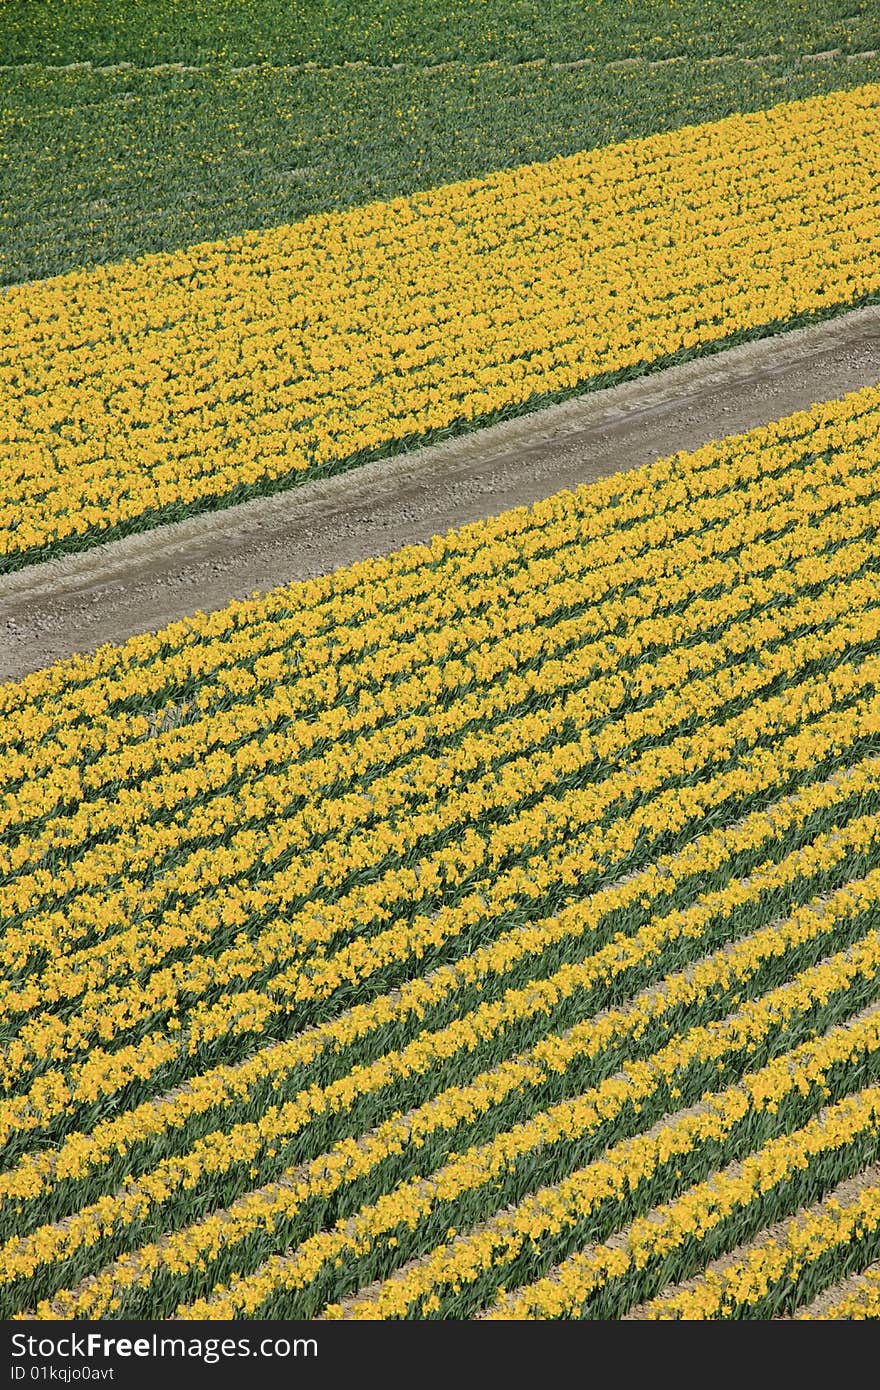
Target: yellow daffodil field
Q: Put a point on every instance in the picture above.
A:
(480, 921)
(487, 931)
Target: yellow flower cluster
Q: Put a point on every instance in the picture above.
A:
(847, 1214)
(699, 1210)
(175, 380)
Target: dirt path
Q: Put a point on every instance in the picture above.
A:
(142, 582)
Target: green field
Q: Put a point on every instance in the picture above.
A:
(99, 160)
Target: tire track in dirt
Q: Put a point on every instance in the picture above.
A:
(442, 65)
(140, 583)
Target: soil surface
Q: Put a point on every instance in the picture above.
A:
(139, 584)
